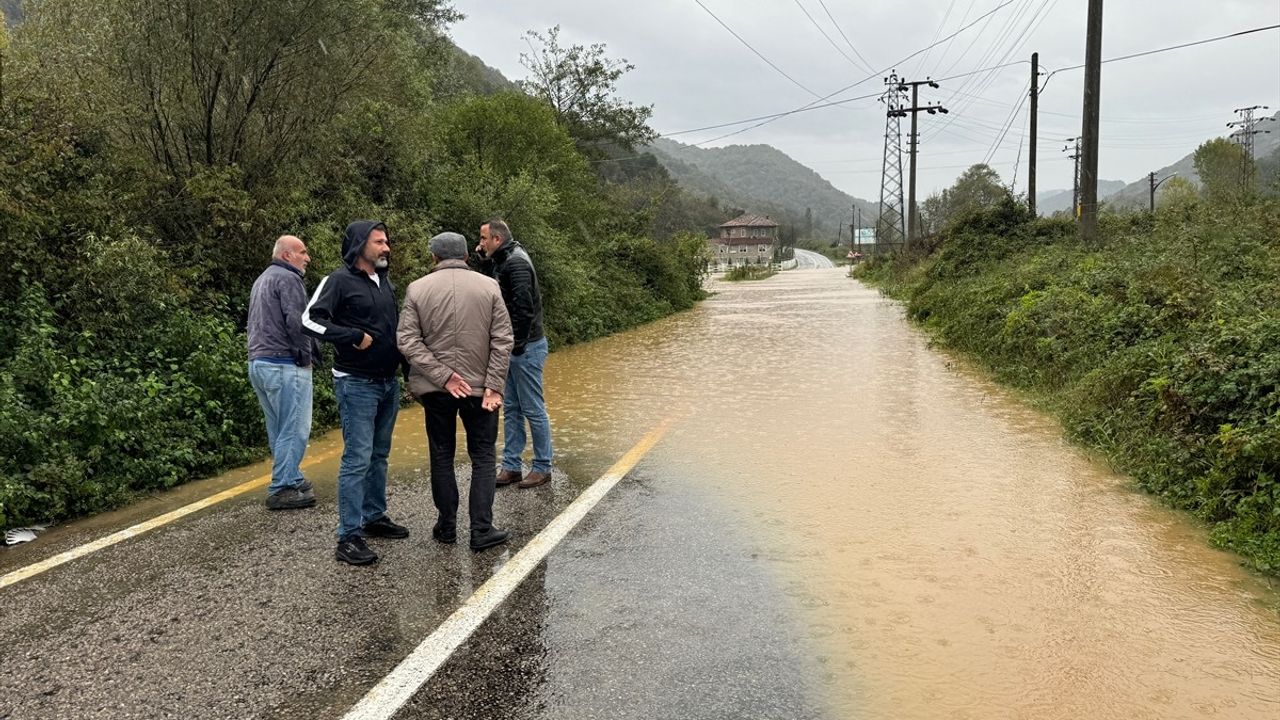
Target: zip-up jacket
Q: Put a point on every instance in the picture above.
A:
(454, 321)
(348, 304)
(513, 269)
(275, 316)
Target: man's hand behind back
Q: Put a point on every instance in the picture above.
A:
(457, 387)
(491, 400)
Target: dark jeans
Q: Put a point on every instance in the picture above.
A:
(442, 411)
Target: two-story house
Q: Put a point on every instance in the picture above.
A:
(748, 239)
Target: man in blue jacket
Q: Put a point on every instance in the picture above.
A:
(355, 309)
(280, 359)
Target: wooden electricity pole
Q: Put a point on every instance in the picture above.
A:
(1089, 131)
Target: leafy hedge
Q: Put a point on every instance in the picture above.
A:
(1160, 346)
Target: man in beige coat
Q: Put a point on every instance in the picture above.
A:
(456, 335)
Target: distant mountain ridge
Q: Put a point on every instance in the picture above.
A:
(762, 179)
(1049, 202)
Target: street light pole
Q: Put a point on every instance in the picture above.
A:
(1151, 179)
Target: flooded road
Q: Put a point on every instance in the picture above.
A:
(840, 523)
(951, 555)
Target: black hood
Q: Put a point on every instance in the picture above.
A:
(354, 238)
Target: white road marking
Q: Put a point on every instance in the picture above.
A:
(389, 695)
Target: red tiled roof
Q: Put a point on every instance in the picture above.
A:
(751, 220)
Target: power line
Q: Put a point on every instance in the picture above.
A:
(830, 41)
(846, 37)
(941, 25)
(771, 116)
(758, 54)
(852, 85)
(764, 119)
(1172, 47)
(938, 64)
(982, 83)
(1013, 116)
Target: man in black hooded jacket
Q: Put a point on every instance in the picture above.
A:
(355, 309)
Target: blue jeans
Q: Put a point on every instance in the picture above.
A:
(284, 392)
(521, 401)
(368, 408)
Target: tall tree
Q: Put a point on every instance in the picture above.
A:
(977, 188)
(228, 82)
(580, 84)
(1226, 173)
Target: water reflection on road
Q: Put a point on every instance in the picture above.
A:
(950, 555)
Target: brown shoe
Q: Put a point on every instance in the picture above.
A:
(506, 477)
(534, 479)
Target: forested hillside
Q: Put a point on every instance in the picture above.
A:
(762, 179)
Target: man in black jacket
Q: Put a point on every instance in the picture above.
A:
(355, 309)
(280, 359)
(510, 264)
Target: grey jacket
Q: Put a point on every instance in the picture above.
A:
(454, 320)
(275, 316)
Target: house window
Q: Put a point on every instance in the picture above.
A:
(764, 249)
(742, 248)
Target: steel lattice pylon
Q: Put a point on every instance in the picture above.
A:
(890, 230)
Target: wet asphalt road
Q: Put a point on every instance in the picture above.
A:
(652, 607)
(809, 260)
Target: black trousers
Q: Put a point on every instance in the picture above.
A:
(442, 411)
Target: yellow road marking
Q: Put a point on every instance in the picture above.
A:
(117, 537)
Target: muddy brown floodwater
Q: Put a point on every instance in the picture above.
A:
(950, 555)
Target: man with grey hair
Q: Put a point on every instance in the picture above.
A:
(456, 336)
(280, 359)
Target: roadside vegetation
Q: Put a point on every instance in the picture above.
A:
(150, 153)
(750, 272)
(1159, 345)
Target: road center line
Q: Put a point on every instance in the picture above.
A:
(389, 695)
(160, 520)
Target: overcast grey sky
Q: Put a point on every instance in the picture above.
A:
(695, 73)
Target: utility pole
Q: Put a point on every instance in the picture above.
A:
(889, 228)
(858, 212)
(1248, 128)
(1151, 179)
(913, 220)
(1089, 131)
(853, 227)
(1031, 152)
(1075, 176)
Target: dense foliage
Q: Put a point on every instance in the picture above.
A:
(150, 153)
(1160, 346)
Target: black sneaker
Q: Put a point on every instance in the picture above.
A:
(447, 534)
(353, 551)
(304, 487)
(488, 538)
(384, 528)
(289, 499)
